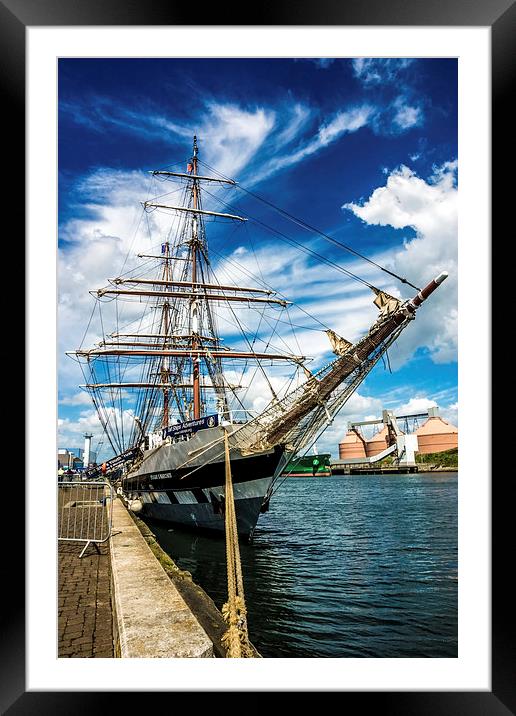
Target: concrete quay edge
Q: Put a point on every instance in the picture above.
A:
(151, 619)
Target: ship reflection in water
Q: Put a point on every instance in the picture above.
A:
(362, 566)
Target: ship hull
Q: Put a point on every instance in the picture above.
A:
(202, 509)
(190, 492)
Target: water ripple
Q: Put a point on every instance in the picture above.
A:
(363, 566)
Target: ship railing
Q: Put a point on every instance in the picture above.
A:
(85, 512)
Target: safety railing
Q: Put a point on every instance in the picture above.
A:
(85, 512)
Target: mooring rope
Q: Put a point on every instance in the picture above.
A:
(236, 638)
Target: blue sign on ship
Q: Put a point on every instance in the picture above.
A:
(190, 426)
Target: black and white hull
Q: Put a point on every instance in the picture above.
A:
(184, 483)
(203, 508)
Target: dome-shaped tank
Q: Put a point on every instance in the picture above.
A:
(353, 446)
(437, 435)
(378, 442)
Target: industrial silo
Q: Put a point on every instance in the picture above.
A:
(378, 442)
(437, 435)
(353, 446)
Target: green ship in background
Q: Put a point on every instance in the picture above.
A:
(309, 466)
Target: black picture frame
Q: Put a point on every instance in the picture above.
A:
(500, 16)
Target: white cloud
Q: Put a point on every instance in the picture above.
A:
(346, 121)
(229, 135)
(430, 208)
(385, 76)
(407, 116)
(373, 71)
(396, 117)
(71, 431)
(420, 404)
(451, 413)
(257, 394)
(81, 398)
(415, 405)
(99, 247)
(232, 135)
(299, 115)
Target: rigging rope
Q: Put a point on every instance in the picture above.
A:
(236, 638)
(301, 246)
(308, 227)
(243, 269)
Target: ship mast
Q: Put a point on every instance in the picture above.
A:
(194, 306)
(165, 367)
(199, 293)
(184, 357)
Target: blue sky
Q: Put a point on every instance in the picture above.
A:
(363, 149)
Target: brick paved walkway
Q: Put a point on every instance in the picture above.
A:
(84, 592)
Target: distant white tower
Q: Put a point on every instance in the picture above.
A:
(87, 449)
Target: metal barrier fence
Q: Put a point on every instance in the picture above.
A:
(85, 511)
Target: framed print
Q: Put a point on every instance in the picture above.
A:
(51, 44)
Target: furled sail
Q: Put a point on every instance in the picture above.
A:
(339, 345)
(386, 303)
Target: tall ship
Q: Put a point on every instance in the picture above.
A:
(169, 390)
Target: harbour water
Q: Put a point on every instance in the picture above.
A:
(361, 566)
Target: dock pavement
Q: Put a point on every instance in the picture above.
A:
(120, 602)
